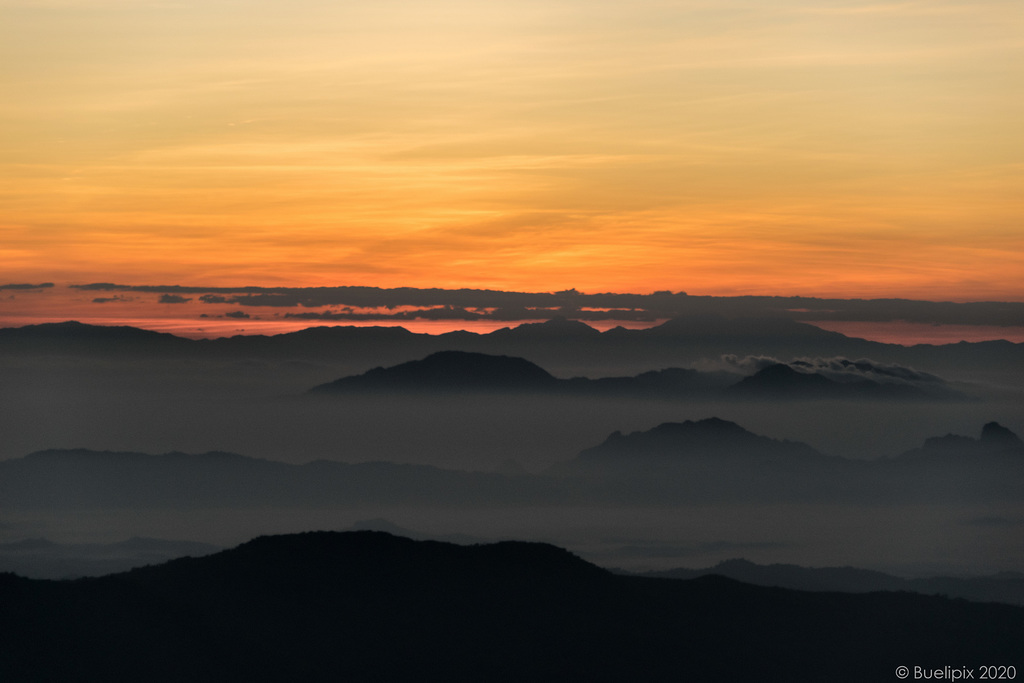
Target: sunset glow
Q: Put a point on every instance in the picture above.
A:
(816, 148)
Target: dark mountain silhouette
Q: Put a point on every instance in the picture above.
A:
(556, 344)
(996, 436)
(705, 460)
(555, 329)
(958, 468)
(995, 443)
(716, 459)
(76, 337)
(370, 606)
(780, 381)
(450, 371)
(462, 371)
(713, 437)
(380, 524)
(672, 463)
(1007, 588)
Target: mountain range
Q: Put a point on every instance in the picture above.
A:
(43, 559)
(1007, 587)
(445, 372)
(559, 344)
(364, 606)
(676, 463)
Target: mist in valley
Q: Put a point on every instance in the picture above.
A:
(259, 406)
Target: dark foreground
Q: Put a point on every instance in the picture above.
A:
(368, 606)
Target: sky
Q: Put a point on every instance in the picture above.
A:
(794, 147)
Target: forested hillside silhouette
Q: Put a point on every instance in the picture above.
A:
(364, 606)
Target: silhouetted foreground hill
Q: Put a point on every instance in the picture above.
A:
(363, 606)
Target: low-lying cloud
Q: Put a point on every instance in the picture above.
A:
(174, 299)
(838, 369)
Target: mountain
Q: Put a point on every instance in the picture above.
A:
(716, 460)
(75, 337)
(781, 381)
(702, 461)
(380, 524)
(560, 345)
(555, 329)
(995, 442)
(709, 438)
(451, 371)
(463, 371)
(363, 606)
(1008, 589)
(672, 463)
(959, 468)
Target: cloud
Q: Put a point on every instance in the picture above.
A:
(841, 368)
(102, 287)
(42, 285)
(591, 306)
(174, 299)
(838, 368)
(237, 314)
(111, 299)
(748, 365)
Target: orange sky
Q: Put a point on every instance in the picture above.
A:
(815, 147)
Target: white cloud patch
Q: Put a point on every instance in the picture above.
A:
(838, 368)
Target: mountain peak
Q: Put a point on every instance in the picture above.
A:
(781, 380)
(712, 437)
(995, 440)
(449, 371)
(995, 434)
(556, 327)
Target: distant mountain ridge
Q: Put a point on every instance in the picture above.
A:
(363, 606)
(464, 371)
(711, 437)
(450, 371)
(995, 440)
(999, 588)
(704, 460)
(555, 344)
(714, 459)
(781, 381)
(43, 559)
